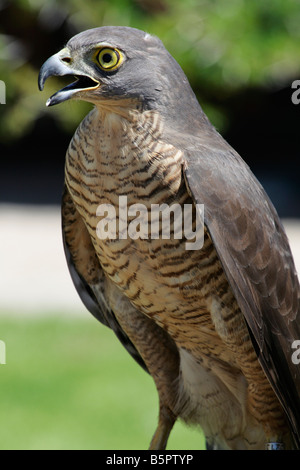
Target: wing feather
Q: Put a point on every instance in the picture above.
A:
(254, 251)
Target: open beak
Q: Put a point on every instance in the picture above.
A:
(56, 65)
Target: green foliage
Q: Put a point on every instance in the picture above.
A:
(69, 384)
(223, 46)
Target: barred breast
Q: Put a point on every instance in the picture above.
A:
(186, 292)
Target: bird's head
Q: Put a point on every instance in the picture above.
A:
(112, 62)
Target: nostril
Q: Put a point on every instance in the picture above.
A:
(68, 60)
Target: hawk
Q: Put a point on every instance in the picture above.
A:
(214, 326)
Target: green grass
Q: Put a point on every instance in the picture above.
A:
(69, 384)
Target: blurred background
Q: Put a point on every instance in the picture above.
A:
(67, 383)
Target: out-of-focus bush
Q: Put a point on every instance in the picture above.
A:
(223, 46)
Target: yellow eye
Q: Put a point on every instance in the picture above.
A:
(109, 59)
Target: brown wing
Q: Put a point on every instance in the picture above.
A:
(87, 274)
(256, 257)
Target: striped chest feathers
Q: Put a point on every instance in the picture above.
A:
(113, 156)
(117, 153)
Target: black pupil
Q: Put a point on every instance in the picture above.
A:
(107, 57)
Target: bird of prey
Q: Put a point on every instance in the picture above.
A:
(214, 326)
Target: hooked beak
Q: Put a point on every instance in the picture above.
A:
(57, 65)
